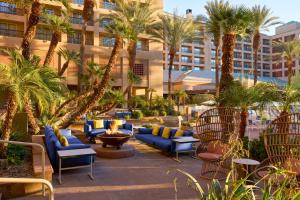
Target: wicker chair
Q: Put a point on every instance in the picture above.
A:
(282, 143)
(213, 125)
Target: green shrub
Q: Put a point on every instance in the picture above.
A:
(147, 126)
(127, 117)
(200, 98)
(163, 113)
(15, 154)
(155, 113)
(137, 114)
(256, 148)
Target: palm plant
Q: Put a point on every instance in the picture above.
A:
(34, 17)
(140, 18)
(213, 27)
(87, 15)
(173, 30)
(234, 21)
(22, 80)
(69, 56)
(150, 92)
(120, 31)
(289, 51)
(181, 97)
(58, 25)
(261, 20)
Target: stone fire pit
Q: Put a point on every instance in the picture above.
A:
(115, 140)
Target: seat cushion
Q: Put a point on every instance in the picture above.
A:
(292, 164)
(98, 131)
(125, 131)
(161, 143)
(147, 138)
(209, 156)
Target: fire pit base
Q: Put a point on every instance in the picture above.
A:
(113, 153)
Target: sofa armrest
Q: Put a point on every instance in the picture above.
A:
(145, 131)
(87, 128)
(128, 127)
(73, 146)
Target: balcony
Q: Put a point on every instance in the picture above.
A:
(79, 20)
(10, 9)
(79, 2)
(11, 33)
(107, 42)
(108, 5)
(46, 36)
(184, 50)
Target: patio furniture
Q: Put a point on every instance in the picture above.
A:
(184, 140)
(243, 166)
(75, 153)
(214, 127)
(123, 114)
(53, 145)
(282, 143)
(115, 139)
(167, 145)
(92, 132)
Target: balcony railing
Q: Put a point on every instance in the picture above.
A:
(79, 20)
(11, 9)
(108, 5)
(43, 36)
(11, 33)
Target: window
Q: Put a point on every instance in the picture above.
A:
(8, 8)
(76, 18)
(185, 50)
(197, 60)
(108, 5)
(197, 51)
(197, 68)
(43, 34)
(185, 59)
(74, 38)
(184, 68)
(105, 22)
(80, 2)
(49, 11)
(108, 41)
(9, 30)
(266, 74)
(138, 69)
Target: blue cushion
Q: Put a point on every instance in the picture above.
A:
(147, 138)
(145, 131)
(97, 131)
(107, 124)
(127, 126)
(87, 128)
(161, 129)
(172, 133)
(66, 132)
(188, 133)
(90, 122)
(125, 131)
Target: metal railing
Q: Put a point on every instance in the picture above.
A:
(31, 180)
(44, 36)
(79, 20)
(32, 145)
(11, 9)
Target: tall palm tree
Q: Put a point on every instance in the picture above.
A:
(181, 97)
(140, 18)
(23, 80)
(261, 20)
(87, 15)
(120, 31)
(57, 25)
(69, 56)
(173, 30)
(150, 92)
(234, 21)
(213, 27)
(289, 51)
(34, 17)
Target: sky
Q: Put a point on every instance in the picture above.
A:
(286, 10)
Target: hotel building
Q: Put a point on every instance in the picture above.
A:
(98, 43)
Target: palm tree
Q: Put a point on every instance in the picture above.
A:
(213, 27)
(173, 30)
(181, 97)
(289, 51)
(140, 18)
(150, 95)
(69, 56)
(22, 80)
(87, 15)
(120, 31)
(58, 25)
(261, 20)
(234, 21)
(34, 17)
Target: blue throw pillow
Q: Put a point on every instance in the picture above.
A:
(66, 132)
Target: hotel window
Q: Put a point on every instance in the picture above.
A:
(197, 68)
(80, 2)
(43, 34)
(184, 68)
(108, 5)
(108, 41)
(267, 74)
(8, 29)
(105, 22)
(197, 60)
(185, 50)
(49, 11)
(197, 51)
(76, 18)
(185, 59)
(138, 69)
(74, 38)
(8, 8)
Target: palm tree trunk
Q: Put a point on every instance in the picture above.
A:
(99, 91)
(7, 125)
(150, 100)
(34, 18)
(243, 123)
(172, 55)
(256, 41)
(31, 119)
(217, 64)
(132, 56)
(227, 61)
(52, 47)
(82, 56)
(290, 70)
(64, 68)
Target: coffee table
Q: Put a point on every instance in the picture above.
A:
(184, 140)
(244, 162)
(75, 153)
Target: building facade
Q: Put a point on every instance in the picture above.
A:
(98, 43)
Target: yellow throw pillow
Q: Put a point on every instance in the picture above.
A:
(98, 123)
(119, 122)
(155, 130)
(179, 133)
(57, 133)
(166, 133)
(63, 140)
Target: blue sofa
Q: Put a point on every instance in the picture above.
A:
(167, 145)
(122, 115)
(92, 133)
(53, 145)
